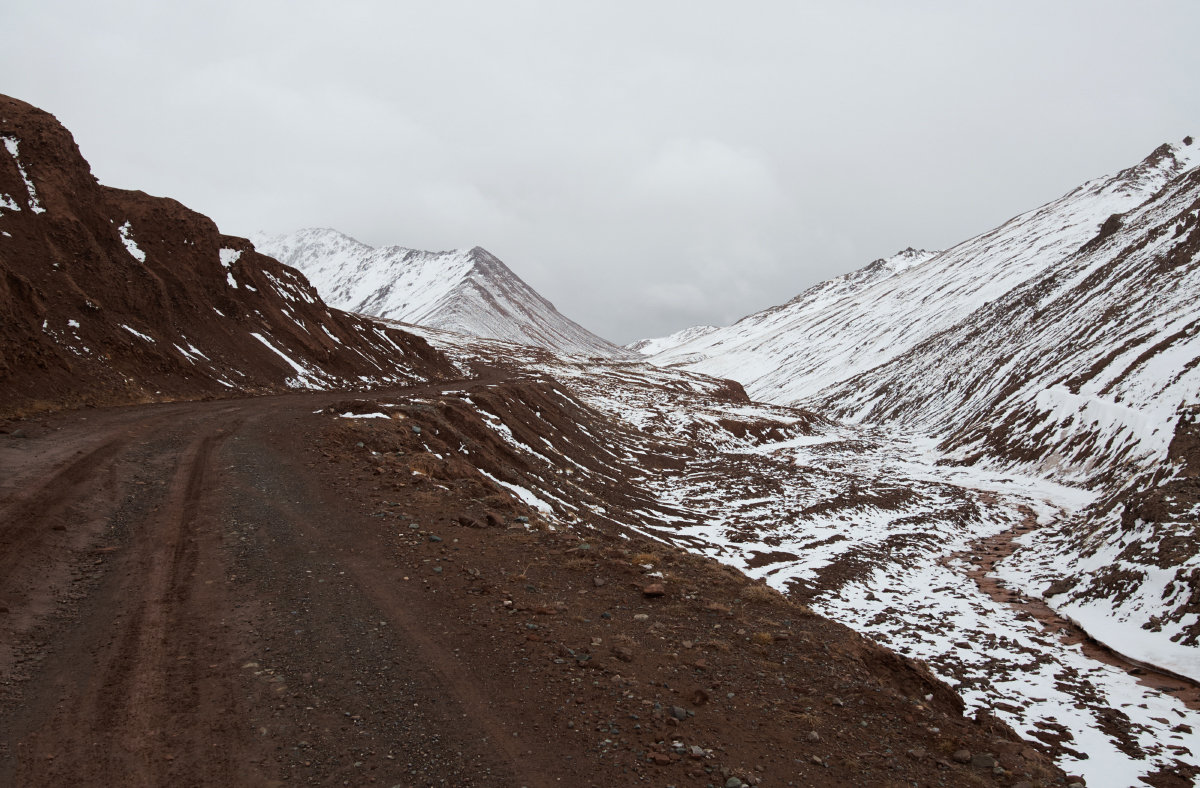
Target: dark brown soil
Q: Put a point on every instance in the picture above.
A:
(235, 593)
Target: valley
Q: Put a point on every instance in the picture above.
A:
(877, 531)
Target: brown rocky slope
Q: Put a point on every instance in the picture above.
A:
(109, 295)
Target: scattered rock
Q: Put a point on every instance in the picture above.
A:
(622, 653)
(982, 761)
(641, 617)
(961, 756)
(654, 590)
(733, 782)
(814, 737)
(679, 712)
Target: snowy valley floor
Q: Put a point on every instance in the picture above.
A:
(869, 530)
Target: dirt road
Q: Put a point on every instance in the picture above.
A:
(189, 607)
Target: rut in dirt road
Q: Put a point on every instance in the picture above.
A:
(133, 694)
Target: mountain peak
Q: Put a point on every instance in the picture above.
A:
(470, 291)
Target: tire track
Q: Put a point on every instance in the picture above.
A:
(30, 516)
(143, 691)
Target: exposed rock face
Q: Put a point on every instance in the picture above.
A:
(109, 295)
(469, 291)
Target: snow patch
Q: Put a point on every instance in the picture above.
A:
(13, 147)
(131, 246)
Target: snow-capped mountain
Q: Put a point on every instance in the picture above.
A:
(848, 325)
(469, 291)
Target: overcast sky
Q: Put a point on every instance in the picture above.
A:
(646, 166)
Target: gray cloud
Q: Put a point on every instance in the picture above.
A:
(647, 166)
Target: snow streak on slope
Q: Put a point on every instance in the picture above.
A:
(468, 291)
(856, 322)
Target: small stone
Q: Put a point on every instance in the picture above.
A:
(521, 519)
(961, 756)
(813, 736)
(817, 760)
(697, 752)
(661, 758)
(622, 653)
(359, 445)
(733, 782)
(437, 570)
(654, 590)
(597, 581)
(414, 526)
(570, 724)
(435, 538)
(983, 761)
(917, 752)
(416, 429)
(679, 712)
(641, 617)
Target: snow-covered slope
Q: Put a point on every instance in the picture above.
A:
(468, 291)
(846, 326)
(650, 347)
(1079, 370)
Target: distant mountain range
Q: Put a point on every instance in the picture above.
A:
(468, 291)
